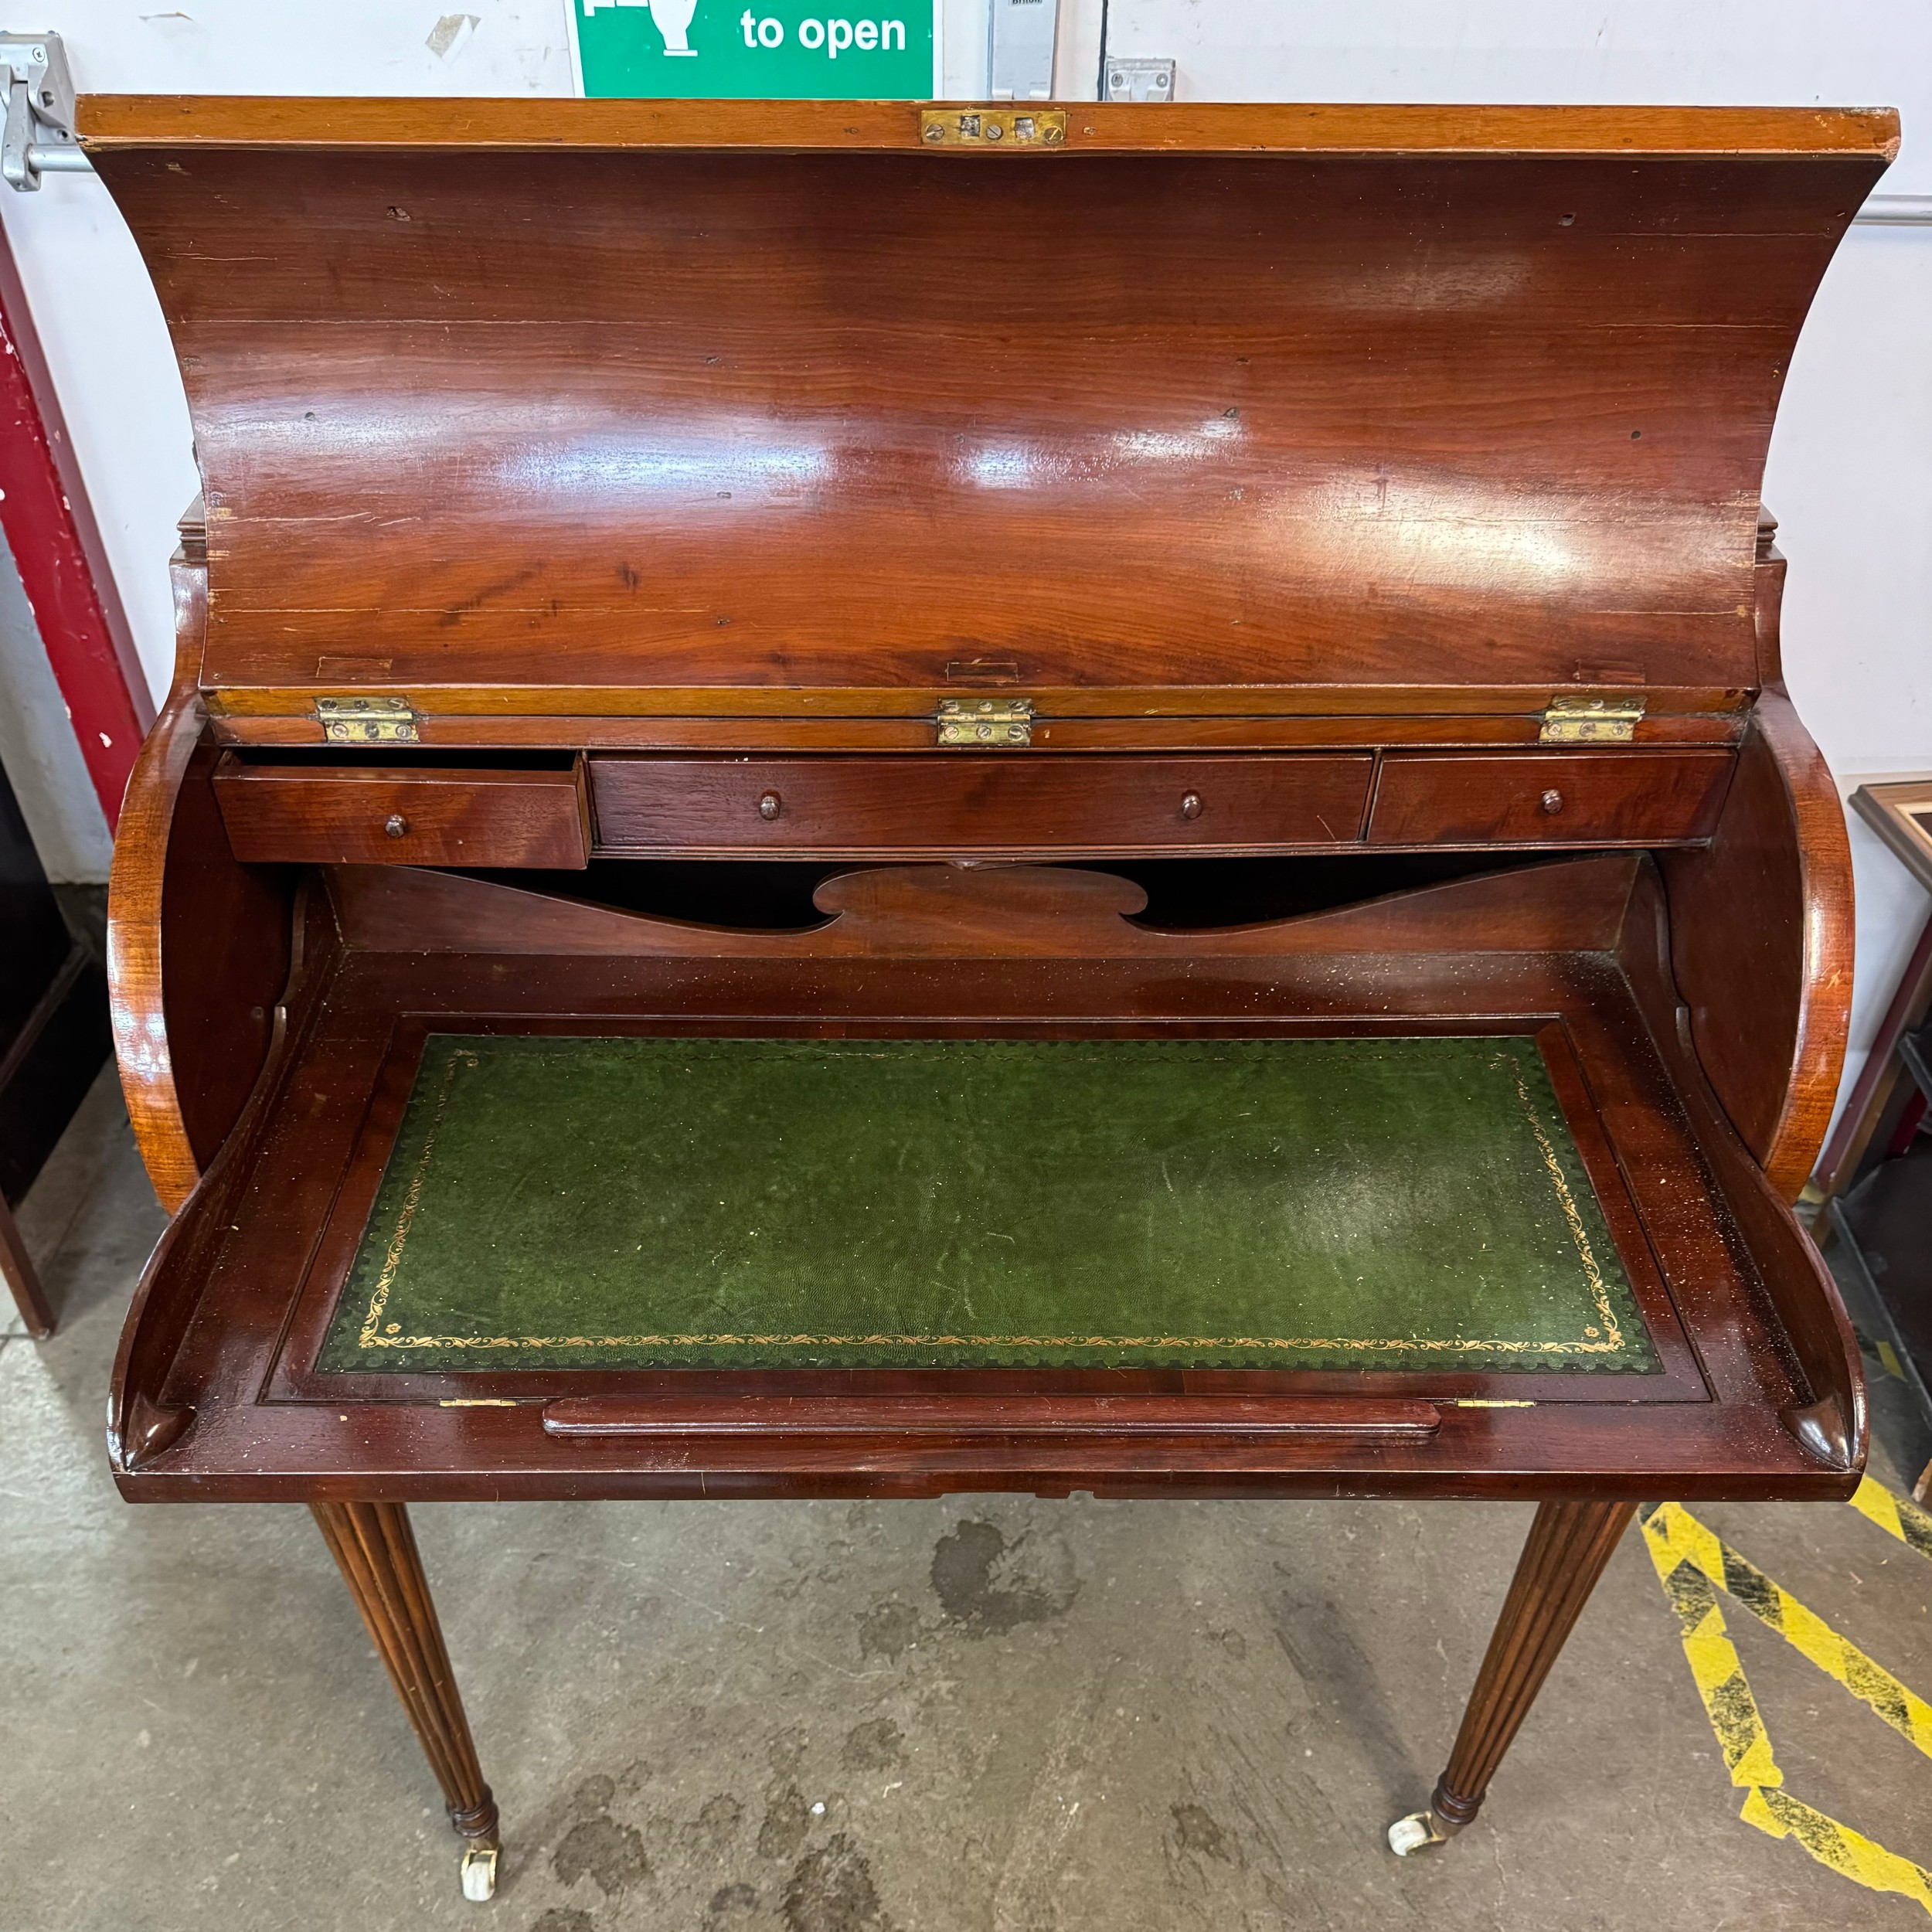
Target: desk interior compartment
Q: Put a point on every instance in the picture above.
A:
(1297, 488)
(1377, 1189)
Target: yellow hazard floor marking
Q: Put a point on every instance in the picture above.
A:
(1672, 1528)
(1693, 1565)
(1906, 1521)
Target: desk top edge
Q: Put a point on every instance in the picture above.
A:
(112, 122)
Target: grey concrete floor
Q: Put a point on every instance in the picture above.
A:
(988, 1714)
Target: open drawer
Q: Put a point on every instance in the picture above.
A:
(285, 809)
(985, 1179)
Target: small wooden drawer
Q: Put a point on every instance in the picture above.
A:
(318, 814)
(943, 805)
(1636, 798)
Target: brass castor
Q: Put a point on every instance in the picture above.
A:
(1417, 1832)
(479, 1872)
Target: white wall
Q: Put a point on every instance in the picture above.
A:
(1851, 470)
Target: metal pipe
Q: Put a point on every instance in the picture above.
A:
(58, 161)
(1895, 211)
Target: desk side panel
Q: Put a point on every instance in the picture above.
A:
(1783, 1259)
(198, 946)
(1761, 942)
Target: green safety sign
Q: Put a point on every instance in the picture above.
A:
(767, 50)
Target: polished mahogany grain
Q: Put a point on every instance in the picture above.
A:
(651, 722)
(1761, 941)
(835, 431)
(111, 121)
(1591, 798)
(1004, 803)
(199, 946)
(1008, 1415)
(403, 817)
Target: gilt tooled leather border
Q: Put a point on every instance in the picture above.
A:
(1604, 1337)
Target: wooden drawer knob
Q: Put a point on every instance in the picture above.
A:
(1552, 802)
(1191, 805)
(770, 806)
(396, 824)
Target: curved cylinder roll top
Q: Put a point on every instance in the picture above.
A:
(765, 407)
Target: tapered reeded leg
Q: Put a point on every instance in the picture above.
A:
(16, 1269)
(374, 1546)
(1569, 1543)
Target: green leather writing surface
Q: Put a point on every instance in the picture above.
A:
(1296, 1203)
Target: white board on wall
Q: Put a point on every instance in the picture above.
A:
(1618, 52)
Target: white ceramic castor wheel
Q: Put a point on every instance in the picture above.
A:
(479, 1872)
(1416, 1833)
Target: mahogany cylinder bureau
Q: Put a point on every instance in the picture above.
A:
(871, 800)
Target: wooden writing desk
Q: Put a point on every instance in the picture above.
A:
(853, 807)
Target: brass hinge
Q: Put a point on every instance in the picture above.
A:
(986, 722)
(367, 721)
(1012, 125)
(1591, 721)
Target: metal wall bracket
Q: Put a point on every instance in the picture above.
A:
(1591, 721)
(1019, 56)
(367, 721)
(1138, 80)
(39, 137)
